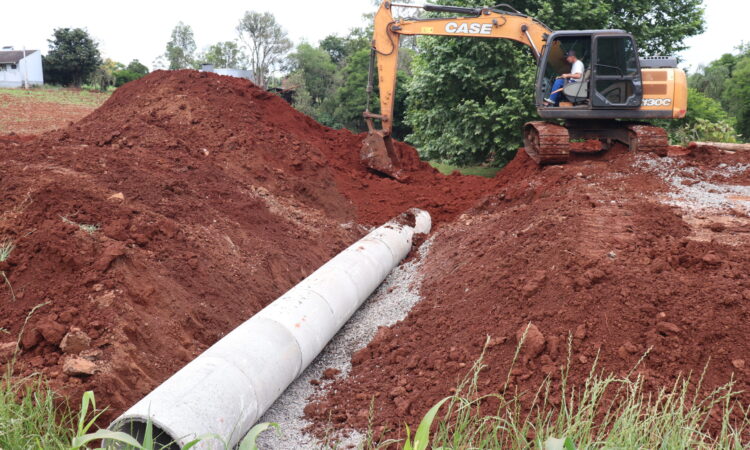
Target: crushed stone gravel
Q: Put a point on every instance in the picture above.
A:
(691, 192)
(390, 303)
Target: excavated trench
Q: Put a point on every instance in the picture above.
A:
(190, 201)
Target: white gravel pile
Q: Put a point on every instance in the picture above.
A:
(691, 192)
(390, 303)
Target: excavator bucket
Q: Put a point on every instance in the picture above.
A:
(379, 154)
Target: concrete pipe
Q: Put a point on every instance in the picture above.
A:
(227, 388)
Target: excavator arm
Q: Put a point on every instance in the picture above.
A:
(499, 22)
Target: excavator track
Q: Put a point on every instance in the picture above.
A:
(546, 143)
(645, 138)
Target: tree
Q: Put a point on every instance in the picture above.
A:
(181, 47)
(104, 75)
(136, 66)
(726, 81)
(72, 58)
(316, 69)
(469, 97)
(226, 55)
(133, 71)
(737, 95)
(349, 102)
(340, 48)
(266, 43)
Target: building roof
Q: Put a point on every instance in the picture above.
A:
(13, 56)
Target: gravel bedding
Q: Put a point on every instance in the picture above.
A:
(390, 303)
(691, 192)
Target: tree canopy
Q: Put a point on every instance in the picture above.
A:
(266, 43)
(181, 47)
(73, 57)
(726, 81)
(227, 55)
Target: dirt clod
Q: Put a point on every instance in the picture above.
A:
(533, 340)
(78, 367)
(75, 341)
(330, 373)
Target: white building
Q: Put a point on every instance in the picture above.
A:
(19, 65)
(237, 73)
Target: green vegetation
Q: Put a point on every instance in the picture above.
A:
(29, 416)
(55, 94)
(225, 54)
(6, 248)
(73, 57)
(726, 81)
(607, 411)
(266, 43)
(88, 228)
(482, 171)
(330, 81)
(181, 48)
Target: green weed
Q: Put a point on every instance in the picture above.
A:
(88, 228)
(606, 412)
(6, 248)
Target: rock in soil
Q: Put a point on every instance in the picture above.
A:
(78, 367)
(75, 341)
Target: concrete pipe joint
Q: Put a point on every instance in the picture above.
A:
(227, 388)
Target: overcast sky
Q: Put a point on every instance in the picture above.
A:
(139, 29)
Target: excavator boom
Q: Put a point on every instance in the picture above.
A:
(501, 22)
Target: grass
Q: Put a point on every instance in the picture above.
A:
(482, 171)
(55, 94)
(6, 248)
(606, 412)
(30, 417)
(88, 228)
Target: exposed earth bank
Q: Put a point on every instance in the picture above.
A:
(152, 227)
(181, 207)
(627, 256)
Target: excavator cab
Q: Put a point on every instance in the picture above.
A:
(612, 79)
(606, 104)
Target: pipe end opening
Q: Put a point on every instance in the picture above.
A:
(137, 429)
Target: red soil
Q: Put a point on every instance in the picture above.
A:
(229, 198)
(582, 250)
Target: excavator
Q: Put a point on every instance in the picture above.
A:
(618, 89)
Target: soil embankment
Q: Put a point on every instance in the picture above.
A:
(630, 255)
(178, 209)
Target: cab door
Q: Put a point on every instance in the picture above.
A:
(616, 72)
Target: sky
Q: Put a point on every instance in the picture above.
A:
(140, 29)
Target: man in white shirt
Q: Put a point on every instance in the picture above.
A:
(575, 75)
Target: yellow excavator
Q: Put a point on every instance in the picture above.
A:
(616, 92)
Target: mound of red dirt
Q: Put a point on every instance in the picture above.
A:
(182, 206)
(586, 250)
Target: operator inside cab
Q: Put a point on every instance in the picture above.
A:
(575, 75)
